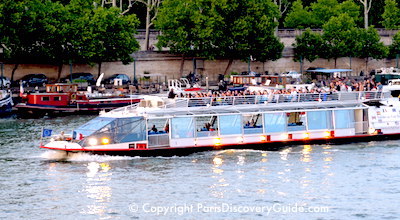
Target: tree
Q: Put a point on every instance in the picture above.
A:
(235, 29)
(395, 46)
(367, 6)
(340, 37)
(319, 13)
(152, 7)
(369, 45)
(323, 10)
(307, 46)
(299, 17)
(20, 34)
(391, 15)
(351, 8)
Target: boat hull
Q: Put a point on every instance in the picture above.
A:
(265, 146)
(33, 109)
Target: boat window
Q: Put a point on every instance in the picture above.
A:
(344, 118)
(296, 121)
(252, 124)
(206, 126)
(230, 124)
(157, 126)
(45, 98)
(182, 127)
(318, 120)
(57, 98)
(94, 125)
(129, 130)
(275, 122)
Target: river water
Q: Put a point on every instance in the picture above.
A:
(352, 181)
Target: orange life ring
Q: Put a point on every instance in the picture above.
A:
(73, 97)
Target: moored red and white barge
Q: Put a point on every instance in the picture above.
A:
(158, 126)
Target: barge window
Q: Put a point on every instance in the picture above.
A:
(230, 124)
(182, 127)
(296, 121)
(45, 98)
(252, 124)
(275, 122)
(344, 118)
(318, 120)
(57, 98)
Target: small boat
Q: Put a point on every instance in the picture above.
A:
(393, 87)
(158, 126)
(6, 103)
(66, 98)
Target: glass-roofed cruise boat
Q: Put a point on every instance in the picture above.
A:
(161, 126)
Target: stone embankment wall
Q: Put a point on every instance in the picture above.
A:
(169, 65)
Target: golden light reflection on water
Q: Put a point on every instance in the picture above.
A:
(97, 188)
(306, 154)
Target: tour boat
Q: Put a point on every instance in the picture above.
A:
(6, 103)
(67, 98)
(158, 126)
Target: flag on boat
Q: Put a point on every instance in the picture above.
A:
(46, 132)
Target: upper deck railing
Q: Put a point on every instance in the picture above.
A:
(265, 99)
(276, 98)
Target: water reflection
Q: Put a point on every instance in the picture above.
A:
(97, 188)
(306, 153)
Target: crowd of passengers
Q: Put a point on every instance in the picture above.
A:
(331, 86)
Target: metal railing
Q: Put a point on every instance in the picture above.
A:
(158, 140)
(276, 98)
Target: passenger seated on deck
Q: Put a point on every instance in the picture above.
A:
(61, 136)
(153, 129)
(252, 123)
(166, 128)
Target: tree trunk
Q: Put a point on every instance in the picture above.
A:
(147, 40)
(365, 15)
(60, 66)
(13, 71)
(228, 66)
(366, 67)
(182, 64)
(99, 69)
(114, 3)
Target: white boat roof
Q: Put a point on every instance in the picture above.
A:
(211, 106)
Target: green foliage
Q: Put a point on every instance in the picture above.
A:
(211, 28)
(323, 10)
(319, 13)
(307, 46)
(369, 45)
(391, 16)
(340, 37)
(50, 32)
(299, 17)
(395, 47)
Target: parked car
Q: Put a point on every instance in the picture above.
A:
(79, 78)
(4, 81)
(35, 79)
(110, 80)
